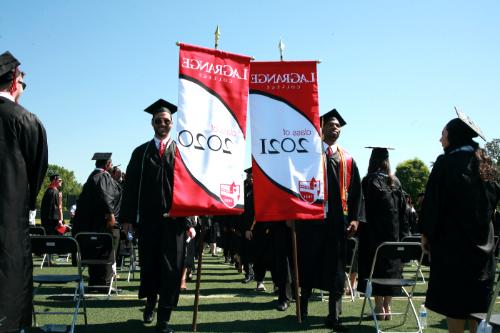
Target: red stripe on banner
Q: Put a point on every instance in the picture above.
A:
(273, 208)
(186, 190)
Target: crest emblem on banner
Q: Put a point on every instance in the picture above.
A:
(230, 194)
(310, 190)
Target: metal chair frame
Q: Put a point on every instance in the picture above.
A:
(101, 241)
(60, 245)
(416, 238)
(405, 251)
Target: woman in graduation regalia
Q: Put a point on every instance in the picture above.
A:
(23, 163)
(456, 216)
(147, 199)
(385, 208)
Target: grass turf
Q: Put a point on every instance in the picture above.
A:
(226, 305)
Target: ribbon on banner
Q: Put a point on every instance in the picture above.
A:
(287, 167)
(211, 126)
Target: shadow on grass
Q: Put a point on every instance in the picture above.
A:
(91, 303)
(231, 307)
(284, 324)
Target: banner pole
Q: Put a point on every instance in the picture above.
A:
(198, 275)
(281, 47)
(217, 37)
(291, 223)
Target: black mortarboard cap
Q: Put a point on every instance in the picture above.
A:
(381, 152)
(101, 156)
(161, 105)
(7, 64)
(467, 121)
(248, 170)
(333, 113)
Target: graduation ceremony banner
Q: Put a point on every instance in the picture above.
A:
(287, 165)
(211, 125)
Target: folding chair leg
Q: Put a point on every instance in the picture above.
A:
(362, 311)
(82, 290)
(374, 314)
(43, 260)
(351, 290)
(421, 275)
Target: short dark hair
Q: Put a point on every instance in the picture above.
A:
(101, 163)
(8, 78)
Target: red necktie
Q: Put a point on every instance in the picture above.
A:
(161, 151)
(329, 152)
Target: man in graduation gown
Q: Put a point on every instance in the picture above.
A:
(147, 199)
(23, 151)
(321, 244)
(96, 211)
(51, 207)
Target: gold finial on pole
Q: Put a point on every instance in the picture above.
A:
(217, 36)
(281, 46)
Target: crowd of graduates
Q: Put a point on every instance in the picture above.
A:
(455, 220)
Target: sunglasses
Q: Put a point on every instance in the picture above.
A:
(22, 84)
(159, 121)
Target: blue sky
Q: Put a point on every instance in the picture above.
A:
(394, 69)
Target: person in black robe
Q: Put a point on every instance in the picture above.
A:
(244, 225)
(321, 244)
(96, 211)
(51, 207)
(147, 199)
(23, 151)
(385, 206)
(460, 198)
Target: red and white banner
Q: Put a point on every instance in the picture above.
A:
(287, 165)
(211, 125)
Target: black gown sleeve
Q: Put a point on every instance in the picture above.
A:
(355, 201)
(33, 144)
(129, 207)
(429, 214)
(106, 192)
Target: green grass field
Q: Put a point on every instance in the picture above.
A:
(226, 305)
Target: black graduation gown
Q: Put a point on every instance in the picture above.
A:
(385, 208)
(321, 244)
(147, 196)
(100, 196)
(245, 223)
(456, 219)
(49, 210)
(23, 163)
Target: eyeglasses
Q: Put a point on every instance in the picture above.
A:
(22, 84)
(159, 121)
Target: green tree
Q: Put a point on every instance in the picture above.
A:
(413, 175)
(493, 149)
(70, 187)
